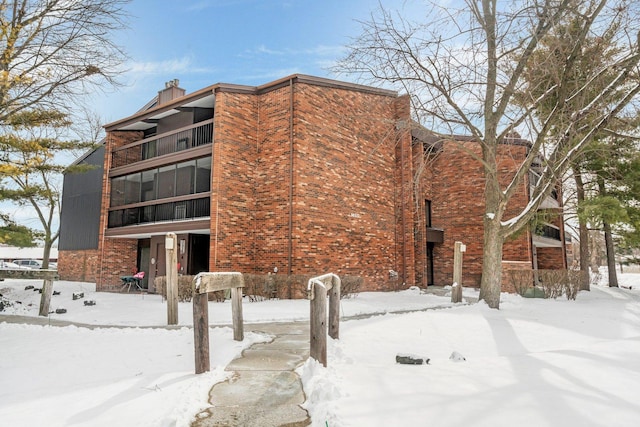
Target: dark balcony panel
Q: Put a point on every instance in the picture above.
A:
(164, 212)
(115, 218)
(172, 211)
(435, 235)
(548, 231)
(164, 144)
(201, 207)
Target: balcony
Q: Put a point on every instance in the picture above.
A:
(546, 235)
(435, 235)
(164, 144)
(552, 201)
(162, 212)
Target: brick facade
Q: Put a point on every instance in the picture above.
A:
(312, 176)
(78, 266)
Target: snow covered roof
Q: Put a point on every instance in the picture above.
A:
(12, 253)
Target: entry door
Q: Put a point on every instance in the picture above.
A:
(430, 280)
(161, 265)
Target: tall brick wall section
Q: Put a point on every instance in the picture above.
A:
(273, 181)
(455, 186)
(233, 205)
(405, 206)
(78, 266)
(345, 161)
(551, 258)
(116, 257)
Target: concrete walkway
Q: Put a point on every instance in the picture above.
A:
(264, 389)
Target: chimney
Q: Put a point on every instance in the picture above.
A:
(170, 92)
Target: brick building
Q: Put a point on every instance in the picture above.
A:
(302, 175)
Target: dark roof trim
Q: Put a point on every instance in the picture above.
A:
(426, 136)
(142, 115)
(235, 88)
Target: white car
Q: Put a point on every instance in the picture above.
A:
(6, 265)
(32, 264)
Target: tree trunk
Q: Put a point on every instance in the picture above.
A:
(608, 242)
(491, 284)
(611, 255)
(46, 253)
(584, 232)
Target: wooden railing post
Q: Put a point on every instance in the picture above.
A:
(318, 324)
(204, 283)
(456, 290)
(236, 314)
(170, 245)
(319, 287)
(201, 332)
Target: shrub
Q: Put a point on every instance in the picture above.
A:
(522, 280)
(259, 287)
(185, 291)
(558, 282)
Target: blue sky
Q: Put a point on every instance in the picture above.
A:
(202, 42)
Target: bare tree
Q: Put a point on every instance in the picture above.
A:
(52, 51)
(465, 71)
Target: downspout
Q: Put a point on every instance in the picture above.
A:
(290, 243)
(107, 191)
(402, 207)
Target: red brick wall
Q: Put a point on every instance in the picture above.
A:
(78, 266)
(507, 266)
(551, 259)
(455, 186)
(273, 181)
(233, 205)
(346, 186)
(116, 257)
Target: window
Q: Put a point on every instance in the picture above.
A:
(117, 191)
(132, 189)
(147, 186)
(185, 178)
(203, 174)
(190, 177)
(166, 181)
(427, 212)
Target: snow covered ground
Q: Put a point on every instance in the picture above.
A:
(532, 363)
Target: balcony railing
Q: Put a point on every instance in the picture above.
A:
(172, 211)
(163, 144)
(548, 231)
(533, 180)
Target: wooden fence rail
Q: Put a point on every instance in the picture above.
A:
(319, 288)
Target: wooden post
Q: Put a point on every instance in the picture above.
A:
(201, 332)
(236, 314)
(334, 308)
(320, 287)
(318, 324)
(204, 283)
(170, 245)
(456, 291)
(45, 301)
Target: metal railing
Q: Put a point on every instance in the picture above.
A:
(548, 231)
(171, 211)
(163, 144)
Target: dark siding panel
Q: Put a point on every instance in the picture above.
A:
(81, 198)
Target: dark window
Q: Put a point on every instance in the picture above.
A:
(148, 188)
(166, 181)
(117, 191)
(427, 212)
(185, 178)
(132, 189)
(203, 175)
